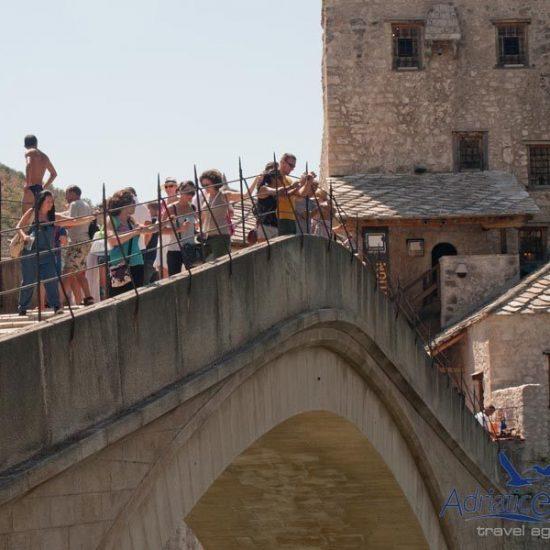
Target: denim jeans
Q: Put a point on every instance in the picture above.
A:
(47, 270)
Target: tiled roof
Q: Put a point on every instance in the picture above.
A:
(464, 194)
(530, 296)
(249, 222)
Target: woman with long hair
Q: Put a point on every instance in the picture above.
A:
(125, 257)
(183, 217)
(37, 228)
(216, 213)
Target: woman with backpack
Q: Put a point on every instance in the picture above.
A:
(125, 257)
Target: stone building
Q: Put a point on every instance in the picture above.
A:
(503, 349)
(409, 222)
(437, 146)
(455, 87)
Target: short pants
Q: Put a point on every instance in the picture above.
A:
(75, 257)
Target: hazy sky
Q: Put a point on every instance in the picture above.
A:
(119, 90)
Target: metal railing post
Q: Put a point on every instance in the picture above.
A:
(1, 267)
(330, 195)
(242, 200)
(258, 217)
(199, 208)
(329, 234)
(348, 235)
(37, 258)
(105, 246)
(357, 236)
(161, 259)
(308, 222)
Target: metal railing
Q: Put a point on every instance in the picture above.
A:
(345, 232)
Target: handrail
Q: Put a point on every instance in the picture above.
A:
(421, 278)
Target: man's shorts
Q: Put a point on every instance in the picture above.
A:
(75, 257)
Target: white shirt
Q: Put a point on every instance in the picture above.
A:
(79, 233)
(141, 216)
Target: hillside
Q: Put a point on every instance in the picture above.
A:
(12, 192)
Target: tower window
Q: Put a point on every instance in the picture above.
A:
(532, 249)
(539, 165)
(512, 44)
(470, 151)
(406, 46)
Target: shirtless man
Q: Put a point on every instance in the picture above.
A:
(37, 164)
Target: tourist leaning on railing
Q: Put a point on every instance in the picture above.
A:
(284, 190)
(36, 228)
(216, 214)
(267, 203)
(170, 190)
(181, 249)
(125, 257)
(151, 274)
(76, 255)
(304, 202)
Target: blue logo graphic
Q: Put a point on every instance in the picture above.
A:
(515, 480)
(532, 505)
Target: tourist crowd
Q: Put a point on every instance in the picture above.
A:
(142, 242)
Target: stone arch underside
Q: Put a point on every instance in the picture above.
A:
(297, 385)
(313, 481)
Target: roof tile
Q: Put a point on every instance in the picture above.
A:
(469, 194)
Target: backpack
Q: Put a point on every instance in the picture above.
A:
(93, 228)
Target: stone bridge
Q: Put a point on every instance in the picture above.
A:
(280, 404)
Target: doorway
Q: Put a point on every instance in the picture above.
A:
(440, 250)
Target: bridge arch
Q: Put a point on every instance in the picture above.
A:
(299, 388)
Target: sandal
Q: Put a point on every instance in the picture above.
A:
(89, 301)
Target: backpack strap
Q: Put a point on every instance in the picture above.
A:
(176, 215)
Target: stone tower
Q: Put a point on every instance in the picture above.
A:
(446, 86)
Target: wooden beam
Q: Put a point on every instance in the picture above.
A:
(443, 346)
(517, 223)
(488, 222)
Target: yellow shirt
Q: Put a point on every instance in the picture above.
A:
(284, 204)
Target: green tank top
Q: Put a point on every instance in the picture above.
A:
(130, 248)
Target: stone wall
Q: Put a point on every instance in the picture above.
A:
(381, 120)
(487, 277)
(529, 404)
(508, 349)
(517, 345)
(11, 278)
